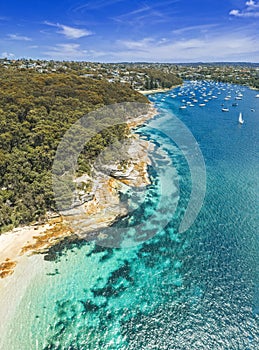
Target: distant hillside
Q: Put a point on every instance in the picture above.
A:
(218, 64)
(241, 64)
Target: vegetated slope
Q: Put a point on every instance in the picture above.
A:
(35, 112)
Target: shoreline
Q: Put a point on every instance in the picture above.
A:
(155, 91)
(100, 212)
(12, 243)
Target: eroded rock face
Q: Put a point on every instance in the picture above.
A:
(57, 231)
(105, 207)
(7, 268)
(138, 175)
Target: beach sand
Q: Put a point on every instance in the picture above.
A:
(155, 91)
(12, 243)
(12, 290)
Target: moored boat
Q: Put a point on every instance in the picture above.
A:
(240, 118)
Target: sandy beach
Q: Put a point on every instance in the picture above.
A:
(155, 91)
(12, 243)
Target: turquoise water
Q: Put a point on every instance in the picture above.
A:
(194, 290)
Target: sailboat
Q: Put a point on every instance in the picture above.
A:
(240, 119)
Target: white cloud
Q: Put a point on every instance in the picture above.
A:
(234, 12)
(141, 45)
(8, 55)
(244, 14)
(200, 28)
(251, 10)
(73, 33)
(66, 52)
(69, 32)
(95, 5)
(18, 37)
(218, 47)
(221, 46)
(252, 4)
(72, 51)
(149, 14)
(128, 15)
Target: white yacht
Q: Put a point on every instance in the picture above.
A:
(240, 119)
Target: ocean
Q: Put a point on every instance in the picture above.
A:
(166, 288)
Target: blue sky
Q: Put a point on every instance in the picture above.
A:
(122, 30)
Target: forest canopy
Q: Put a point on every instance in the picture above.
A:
(35, 112)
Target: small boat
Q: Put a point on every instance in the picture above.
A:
(225, 109)
(234, 104)
(182, 107)
(238, 98)
(240, 119)
(257, 96)
(202, 104)
(252, 110)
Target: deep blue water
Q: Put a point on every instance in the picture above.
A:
(194, 290)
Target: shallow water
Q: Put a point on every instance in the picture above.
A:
(194, 290)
